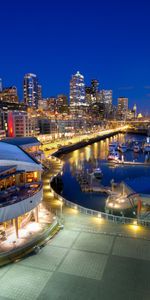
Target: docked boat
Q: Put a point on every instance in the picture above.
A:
(136, 148)
(113, 146)
(113, 156)
(122, 148)
(146, 148)
(98, 173)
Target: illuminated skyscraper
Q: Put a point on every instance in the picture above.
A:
(95, 87)
(135, 111)
(31, 90)
(62, 104)
(77, 94)
(1, 85)
(107, 99)
(39, 92)
(122, 107)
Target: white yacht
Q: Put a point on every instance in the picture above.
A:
(113, 156)
(136, 148)
(98, 173)
(113, 146)
(146, 147)
(122, 148)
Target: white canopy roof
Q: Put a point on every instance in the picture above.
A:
(11, 154)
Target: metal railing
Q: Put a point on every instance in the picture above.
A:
(13, 199)
(98, 214)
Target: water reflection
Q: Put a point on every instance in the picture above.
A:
(86, 159)
(90, 155)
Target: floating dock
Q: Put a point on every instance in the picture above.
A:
(130, 163)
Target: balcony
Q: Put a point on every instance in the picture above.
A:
(17, 194)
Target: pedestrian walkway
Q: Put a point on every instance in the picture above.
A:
(79, 264)
(90, 259)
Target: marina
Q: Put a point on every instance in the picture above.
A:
(109, 192)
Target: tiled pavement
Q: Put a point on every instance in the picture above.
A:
(89, 259)
(79, 265)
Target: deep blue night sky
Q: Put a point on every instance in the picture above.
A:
(108, 40)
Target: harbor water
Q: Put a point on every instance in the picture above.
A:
(84, 160)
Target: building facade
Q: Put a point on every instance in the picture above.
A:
(9, 94)
(77, 95)
(1, 85)
(122, 108)
(31, 91)
(21, 190)
(107, 100)
(62, 104)
(21, 124)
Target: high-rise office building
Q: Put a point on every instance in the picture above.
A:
(92, 93)
(122, 107)
(62, 104)
(77, 94)
(95, 86)
(9, 95)
(107, 99)
(39, 92)
(52, 105)
(31, 90)
(1, 85)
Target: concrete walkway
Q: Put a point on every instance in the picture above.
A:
(89, 259)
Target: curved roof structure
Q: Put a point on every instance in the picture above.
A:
(14, 153)
(22, 141)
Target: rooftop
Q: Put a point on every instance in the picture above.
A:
(21, 141)
(14, 153)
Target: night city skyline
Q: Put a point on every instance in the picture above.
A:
(105, 41)
(75, 150)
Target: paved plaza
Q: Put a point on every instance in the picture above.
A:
(90, 259)
(81, 264)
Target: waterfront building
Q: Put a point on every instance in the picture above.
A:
(5, 108)
(21, 189)
(30, 145)
(30, 86)
(77, 95)
(122, 108)
(9, 94)
(21, 124)
(2, 134)
(48, 126)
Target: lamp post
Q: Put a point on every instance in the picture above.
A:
(123, 189)
(61, 210)
(112, 185)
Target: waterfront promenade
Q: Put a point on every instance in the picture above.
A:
(90, 258)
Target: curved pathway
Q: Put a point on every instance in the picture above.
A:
(89, 259)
